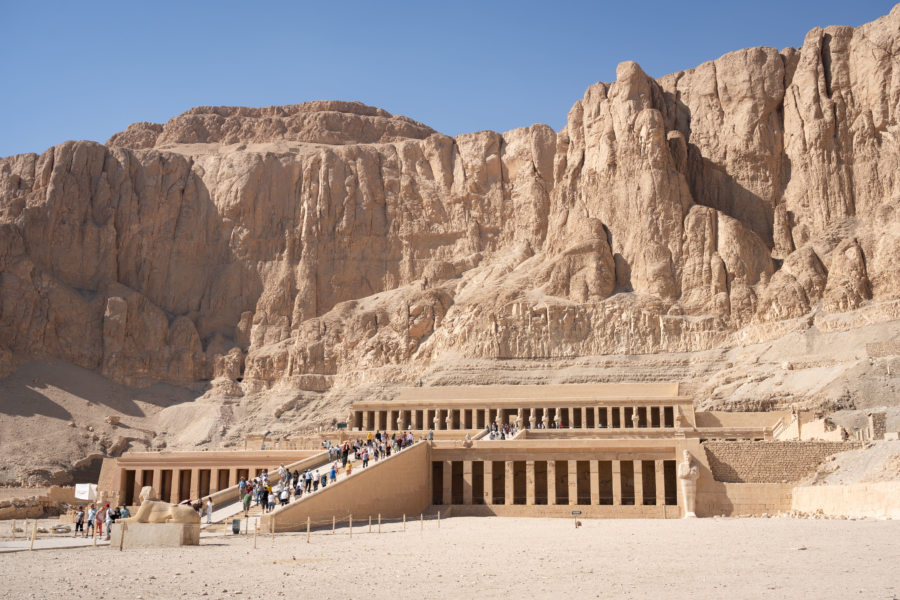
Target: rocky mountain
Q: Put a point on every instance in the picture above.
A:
(333, 247)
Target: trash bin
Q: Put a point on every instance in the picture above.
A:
(235, 526)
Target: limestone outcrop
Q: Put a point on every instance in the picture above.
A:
(334, 244)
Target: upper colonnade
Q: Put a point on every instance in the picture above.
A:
(571, 406)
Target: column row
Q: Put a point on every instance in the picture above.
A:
(583, 417)
(177, 484)
(559, 482)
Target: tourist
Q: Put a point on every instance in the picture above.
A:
(349, 468)
(247, 498)
(285, 495)
(263, 498)
(108, 519)
(272, 495)
(79, 521)
(242, 485)
(332, 474)
(124, 513)
(209, 510)
(99, 517)
(324, 480)
(315, 481)
(91, 515)
(365, 458)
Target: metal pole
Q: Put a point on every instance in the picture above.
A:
(333, 521)
(439, 519)
(379, 522)
(404, 521)
(33, 534)
(255, 533)
(370, 523)
(307, 529)
(421, 522)
(351, 525)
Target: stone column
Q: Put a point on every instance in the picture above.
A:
(573, 481)
(365, 423)
(529, 482)
(448, 482)
(660, 483)
(551, 481)
(195, 483)
(436, 420)
(545, 418)
(584, 419)
(510, 487)
(571, 410)
(138, 484)
(488, 482)
(638, 483)
(176, 484)
(213, 481)
(487, 418)
(596, 416)
(157, 481)
(467, 482)
(621, 410)
(617, 482)
(595, 482)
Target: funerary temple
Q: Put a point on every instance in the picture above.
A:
(595, 450)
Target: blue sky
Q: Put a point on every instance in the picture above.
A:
(74, 70)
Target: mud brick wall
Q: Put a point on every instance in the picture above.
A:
(769, 462)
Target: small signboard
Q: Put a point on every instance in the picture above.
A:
(576, 512)
(342, 426)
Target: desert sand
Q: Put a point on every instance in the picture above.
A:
(491, 558)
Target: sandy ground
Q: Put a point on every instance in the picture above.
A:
(492, 558)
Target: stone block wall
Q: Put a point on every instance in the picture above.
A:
(769, 462)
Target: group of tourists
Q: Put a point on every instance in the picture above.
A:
(260, 491)
(504, 432)
(93, 520)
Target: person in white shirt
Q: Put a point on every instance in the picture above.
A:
(209, 509)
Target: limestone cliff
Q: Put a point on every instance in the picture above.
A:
(332, 246)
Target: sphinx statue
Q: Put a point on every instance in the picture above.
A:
(153, 510)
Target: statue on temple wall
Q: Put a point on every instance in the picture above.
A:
(532, 419)
(635, 419)
(545, 418)
(519, 420)
(688, 473)
(437, 420)
(558, 418)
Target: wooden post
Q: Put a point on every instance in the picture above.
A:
(255, 533)
(95, 534)
(333, 522)
(439, 519)
(246, 524)
(122, 539)
(351, 526)
(404, 521)
(14, 529)
(272, 527)
(33, 534)
(370, 523)
(307, 529)
(421, 522)
(379, 522)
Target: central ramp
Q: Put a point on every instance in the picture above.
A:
(396, 486)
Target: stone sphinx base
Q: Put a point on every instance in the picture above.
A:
(154, 535)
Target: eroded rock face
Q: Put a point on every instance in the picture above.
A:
(283, 247)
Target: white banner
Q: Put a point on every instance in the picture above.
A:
(86, 491)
